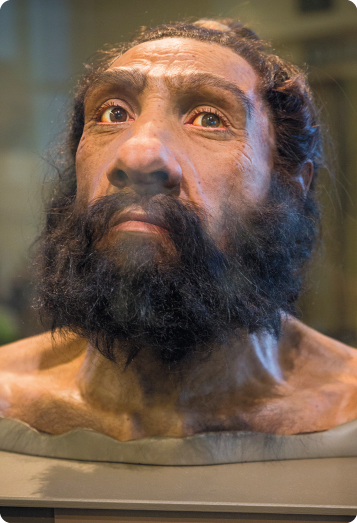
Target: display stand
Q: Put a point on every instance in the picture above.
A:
(34, 489)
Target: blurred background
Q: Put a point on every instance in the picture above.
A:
(43, 45)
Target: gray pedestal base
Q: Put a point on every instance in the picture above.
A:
(72, 491)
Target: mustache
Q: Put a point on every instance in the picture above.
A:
(177, 216)
(134, 293)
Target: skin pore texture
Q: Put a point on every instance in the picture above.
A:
(145, 130)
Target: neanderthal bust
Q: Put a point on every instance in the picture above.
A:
(175, 247)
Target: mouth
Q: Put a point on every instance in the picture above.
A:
(139, 221)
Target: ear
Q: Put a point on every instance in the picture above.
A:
(304, 177)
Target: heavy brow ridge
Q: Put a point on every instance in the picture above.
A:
(128, 78)
(134, 80)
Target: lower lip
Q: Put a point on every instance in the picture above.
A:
(136, 226)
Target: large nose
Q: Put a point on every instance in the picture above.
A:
(145, 161)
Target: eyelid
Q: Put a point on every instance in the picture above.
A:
(108, 104)
(209, 109)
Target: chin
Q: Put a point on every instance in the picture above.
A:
(139, 249)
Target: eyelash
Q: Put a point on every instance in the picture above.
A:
(200, 110)
(105, 106)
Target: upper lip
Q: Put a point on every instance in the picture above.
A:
(139, 216)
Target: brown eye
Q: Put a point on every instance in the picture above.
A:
(114, 115)
(208, 120)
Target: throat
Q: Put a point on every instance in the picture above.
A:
(218, 393)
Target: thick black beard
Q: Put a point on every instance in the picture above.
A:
(178, 296)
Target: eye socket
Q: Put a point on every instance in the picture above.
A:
(114, 114)
(208, 119)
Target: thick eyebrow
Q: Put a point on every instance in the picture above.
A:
(130, 79)
(195, 82)
(134, 80)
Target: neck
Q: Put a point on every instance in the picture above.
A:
(236, 375)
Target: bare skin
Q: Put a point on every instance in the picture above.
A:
(155, 136)
(56, 387)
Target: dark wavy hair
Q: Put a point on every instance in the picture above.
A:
(283, 87)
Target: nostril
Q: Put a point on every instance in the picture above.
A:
(119, 176)
(161, 176)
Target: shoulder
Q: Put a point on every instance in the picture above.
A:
(316, 352)
(309, 343)
(39, 352)
(320, 377)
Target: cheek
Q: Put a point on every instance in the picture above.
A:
(241, 178)
(89, 171)
(257, 162)
(228, 176)
(254, 179)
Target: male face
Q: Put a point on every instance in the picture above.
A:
(180, 233)
(177, 117)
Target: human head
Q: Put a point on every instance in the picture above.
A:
(287, 101)
(283, 86)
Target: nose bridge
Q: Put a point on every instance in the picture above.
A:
(148, 147)
(146, 156)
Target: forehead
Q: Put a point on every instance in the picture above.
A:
(176, 56)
